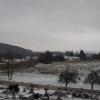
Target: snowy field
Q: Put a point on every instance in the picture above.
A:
(45, 80)
(56, 68)
(36, 75)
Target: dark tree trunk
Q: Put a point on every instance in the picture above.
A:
(66, 84)
(92, 84)
(10, 75)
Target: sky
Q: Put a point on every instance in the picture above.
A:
(56, 25)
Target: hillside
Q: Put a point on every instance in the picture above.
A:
(14, 50)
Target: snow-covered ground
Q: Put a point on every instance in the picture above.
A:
(45, 80)
(57, 67)
(36, 76)
(40, 91)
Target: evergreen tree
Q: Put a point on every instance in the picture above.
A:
(46, 57)
(82, 55)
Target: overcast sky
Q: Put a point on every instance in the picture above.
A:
(51, 24)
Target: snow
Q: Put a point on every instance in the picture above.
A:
(40, 91)
(27, 95)
(64, 98)
(45, 80)
(48, 79)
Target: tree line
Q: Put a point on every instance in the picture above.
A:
(84, 55)
(48, 57)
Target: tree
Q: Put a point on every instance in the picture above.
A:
(59, 58)
(9, 70)
(9, 56)
(82, 55)
(69, 53)
(92, 78)
(46, 57)
(69, 76)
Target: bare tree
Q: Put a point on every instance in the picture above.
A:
(92, 78)
(68, 76)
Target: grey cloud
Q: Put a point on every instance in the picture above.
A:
(51, 24)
